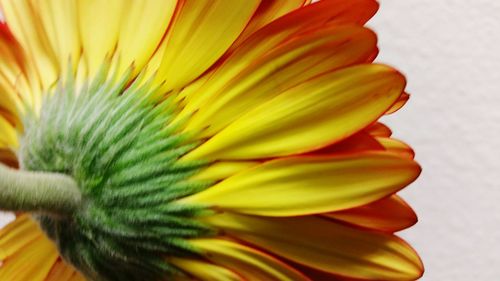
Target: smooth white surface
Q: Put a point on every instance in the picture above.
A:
(449, 50)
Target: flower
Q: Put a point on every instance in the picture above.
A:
(205, 140)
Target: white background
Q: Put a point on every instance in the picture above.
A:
(449, 50)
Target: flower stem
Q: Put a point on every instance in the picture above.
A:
(38, 192)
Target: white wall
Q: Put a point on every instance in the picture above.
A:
(450, 51)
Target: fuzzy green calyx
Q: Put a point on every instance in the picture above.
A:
(119, 144)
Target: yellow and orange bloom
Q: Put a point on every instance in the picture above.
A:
(200, 140)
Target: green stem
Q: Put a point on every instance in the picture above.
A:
(38, 192)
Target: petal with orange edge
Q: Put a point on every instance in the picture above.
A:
(403, 99)
(251, 264)
(379, 130)
(27, 26)
(268, 11)
(8, 158)
(335, 106)
(390, 214)
(77, 277)
(326, 245)
(8, 97)
(204, 271)
(307, 19)
(200, 34)
(14, 70)
(60, 272)
(12, 118)
(396, 146)
(9, 100)
(291, 64)
(318, 275)
(311, 185)
(26, 253)
(359, 142)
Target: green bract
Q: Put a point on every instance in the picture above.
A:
(118, 142)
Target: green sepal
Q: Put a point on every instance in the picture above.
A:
(116, 139)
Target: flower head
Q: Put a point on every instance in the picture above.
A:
(200, 140)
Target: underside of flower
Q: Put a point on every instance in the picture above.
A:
(200, 140)
(119, 144)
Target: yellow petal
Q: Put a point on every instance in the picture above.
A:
(15, 90)
(8, 134)
(59, 20)
(403, 99)
(326, 246)
(27, 254)
(9, 100)
(390, 214)
(286, 66)
(77, 277)
(131, 30)
(312, 115)
(99, 25)
(251, 264)
(222, 170)
(140, 34)
(301, 21)
(268, 11)
(201, 32)
(31, 263)
(379, 130)
(24, 19)
(396, 146)
(359, 142)
(16, 235)
(311, 185)
(12, 118)
(61, 272)
(205, 271)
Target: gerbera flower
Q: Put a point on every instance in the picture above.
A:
(200, 140)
